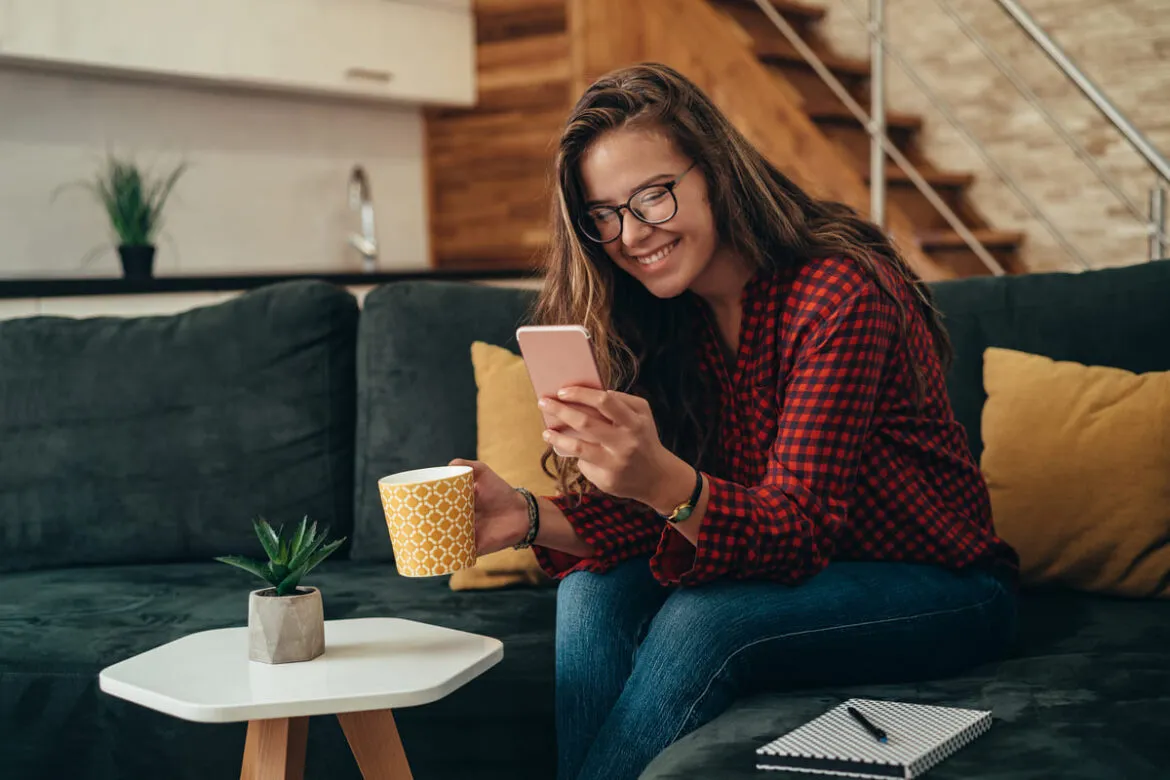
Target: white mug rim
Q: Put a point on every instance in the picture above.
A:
(424, 476)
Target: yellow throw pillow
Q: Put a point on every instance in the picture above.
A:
(1077, 459)
(509, 441)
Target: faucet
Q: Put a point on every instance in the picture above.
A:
(365, 242)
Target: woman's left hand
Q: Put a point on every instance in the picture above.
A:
(613, 437)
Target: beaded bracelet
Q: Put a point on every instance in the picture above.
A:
(533, 519)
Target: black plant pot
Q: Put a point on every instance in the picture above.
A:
(137, 261)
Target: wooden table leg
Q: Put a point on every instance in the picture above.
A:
(275, 749)
(375, 743)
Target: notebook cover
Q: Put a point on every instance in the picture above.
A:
(919, 736)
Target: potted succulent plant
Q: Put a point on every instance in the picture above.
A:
(133, 201)
(286, 622)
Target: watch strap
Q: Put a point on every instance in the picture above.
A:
(685, 509)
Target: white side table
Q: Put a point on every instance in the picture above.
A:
(370, 667)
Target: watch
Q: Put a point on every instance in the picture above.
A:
(686, 508)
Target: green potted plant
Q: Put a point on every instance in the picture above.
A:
(133, 201)
(286, 622)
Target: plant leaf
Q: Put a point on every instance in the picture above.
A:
(298, 573)
(158, 198)
(321, 555)
(277, 572)
(299, 537)
(248, 565)
(314, 541)
(268, 537)
(288, 584)
(133, 202)
(281, 546)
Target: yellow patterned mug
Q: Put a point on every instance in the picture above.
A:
(431, 517)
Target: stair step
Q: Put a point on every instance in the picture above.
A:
(789, 8)
(989, 237)
(838, 113)
(937, 179)
(950, 252)
(780, 53)
(950, 187)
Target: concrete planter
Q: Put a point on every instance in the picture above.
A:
(285, 629)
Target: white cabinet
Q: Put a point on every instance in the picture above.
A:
(99, 34)
(401, 50)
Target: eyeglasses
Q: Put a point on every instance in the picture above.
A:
(652, 204)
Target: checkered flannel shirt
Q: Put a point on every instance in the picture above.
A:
(825, 454)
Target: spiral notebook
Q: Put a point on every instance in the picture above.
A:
(918, 737)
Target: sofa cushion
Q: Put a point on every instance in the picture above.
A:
(508, 428)
(1077, 462)
(416, 388)
(1115, 317)
(1082, 698)
(159, 438)
(59, 628)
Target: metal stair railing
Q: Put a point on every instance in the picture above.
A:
(876, 126)
(1156, 224)
(881, 145)
(944, 109)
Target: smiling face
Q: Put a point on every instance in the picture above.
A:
(667, 258)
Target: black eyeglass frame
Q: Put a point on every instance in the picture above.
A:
(669, 185)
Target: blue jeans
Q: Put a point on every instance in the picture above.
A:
(640, 665)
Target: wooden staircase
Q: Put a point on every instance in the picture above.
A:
(938, 240)
(490, 166)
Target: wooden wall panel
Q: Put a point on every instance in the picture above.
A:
(489, 166)
(499, 20)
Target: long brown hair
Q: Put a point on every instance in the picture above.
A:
(644, 344)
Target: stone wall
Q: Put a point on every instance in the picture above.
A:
(1122, 45)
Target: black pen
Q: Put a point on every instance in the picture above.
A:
(878, 734)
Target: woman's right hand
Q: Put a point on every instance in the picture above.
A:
(501, 513)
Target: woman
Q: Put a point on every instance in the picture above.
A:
(781, 495)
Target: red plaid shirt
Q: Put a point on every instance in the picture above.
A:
(826, 455)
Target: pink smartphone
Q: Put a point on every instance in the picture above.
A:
(557, 356)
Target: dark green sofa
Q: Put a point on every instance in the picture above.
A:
(131, 451)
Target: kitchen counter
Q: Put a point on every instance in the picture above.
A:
(93, 286)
